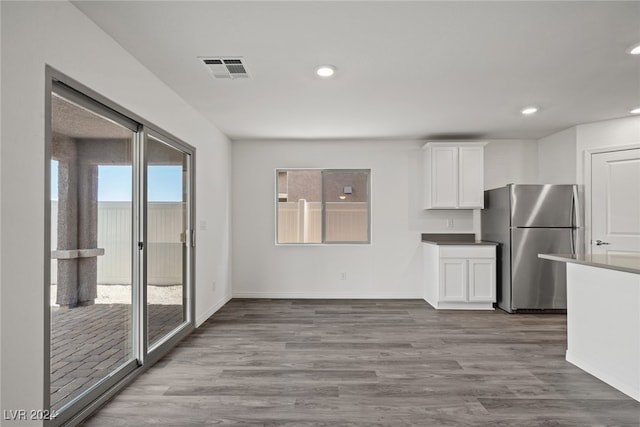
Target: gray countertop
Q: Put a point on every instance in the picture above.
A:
(454, 239)
(626, 263)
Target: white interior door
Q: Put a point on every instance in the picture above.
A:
(615, 202)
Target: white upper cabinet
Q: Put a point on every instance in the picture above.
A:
(454, 175)
(471, 177)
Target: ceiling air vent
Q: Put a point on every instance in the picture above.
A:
(226, 68)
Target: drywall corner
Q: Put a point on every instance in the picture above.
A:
(510, 161)
(1, 139)
(614, 134)
(557, 158)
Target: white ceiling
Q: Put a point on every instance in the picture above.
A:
(405, 69)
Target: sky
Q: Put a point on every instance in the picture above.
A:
(164, 183)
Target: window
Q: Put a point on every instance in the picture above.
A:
(323, 206)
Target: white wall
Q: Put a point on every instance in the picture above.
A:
(56, 33)
(611, 133)
(391, 267)
(510, 161)
(388, 268)
(1, 405)
(561, 155)
(556, 158)
(213, 223)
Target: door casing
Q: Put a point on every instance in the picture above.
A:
(587, 177)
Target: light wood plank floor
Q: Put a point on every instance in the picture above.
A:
(368, 363)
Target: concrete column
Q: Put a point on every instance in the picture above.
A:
(87, 232)
(77, 249)
(67, 280)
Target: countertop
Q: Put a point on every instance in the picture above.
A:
(454, 239)
(626, 263)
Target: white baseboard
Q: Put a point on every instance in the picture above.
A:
(326, 295)
(631, 390)
(217, 306)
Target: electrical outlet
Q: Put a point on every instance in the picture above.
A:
(343, 275)
(449, 222)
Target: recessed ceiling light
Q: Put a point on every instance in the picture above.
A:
(326, 71)
(634, 50)
(635, 111)
(529, 110)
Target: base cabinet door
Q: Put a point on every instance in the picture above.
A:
(482, 280)
(453, 279)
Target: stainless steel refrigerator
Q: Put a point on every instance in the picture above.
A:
(528, 220)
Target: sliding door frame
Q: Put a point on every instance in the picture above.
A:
(188, 300)
(105, 389)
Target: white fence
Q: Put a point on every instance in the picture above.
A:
(164, 249)
(301, 222)
(347, 222)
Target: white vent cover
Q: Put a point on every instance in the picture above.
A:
(226, 68)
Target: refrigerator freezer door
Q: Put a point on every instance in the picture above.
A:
(543, 205)
(538, 283)
(495, 228)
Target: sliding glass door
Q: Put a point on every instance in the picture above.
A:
(91, 293)
(167, 236)
(119, 222)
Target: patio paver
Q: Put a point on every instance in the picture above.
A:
(89, 342)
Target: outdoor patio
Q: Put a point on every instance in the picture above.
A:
(89, 342)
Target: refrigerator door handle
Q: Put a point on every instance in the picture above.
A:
(576, 209)
(574, 234)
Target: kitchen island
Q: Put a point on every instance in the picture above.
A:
(603, 317)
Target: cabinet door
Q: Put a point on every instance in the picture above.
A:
(444, 177)
(453, 279)
(482, 280)
(471, 177)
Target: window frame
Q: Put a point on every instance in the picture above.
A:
(275, 193)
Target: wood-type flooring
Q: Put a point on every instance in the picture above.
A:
(368, 363)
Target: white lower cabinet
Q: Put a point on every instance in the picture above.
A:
(453, 279)
(482, 279)
(460, 277)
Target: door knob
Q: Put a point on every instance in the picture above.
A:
(600, 243)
